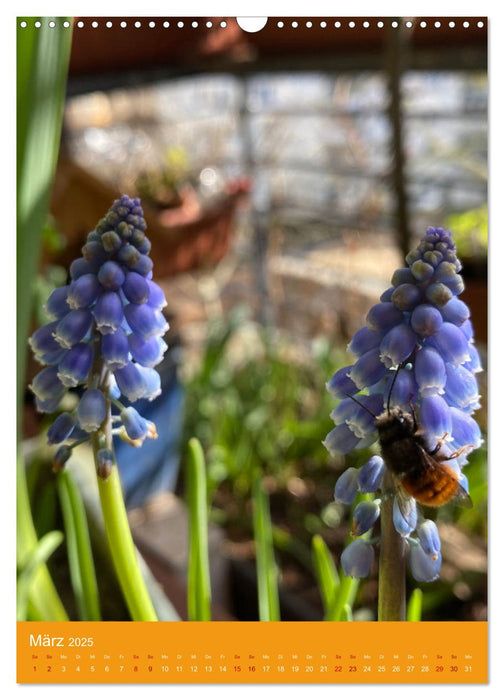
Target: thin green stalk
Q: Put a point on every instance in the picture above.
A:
(392, 567)
(267, 573)
(121, 543)
(44, 597)
(80, 556)
(26, 579)
(327, 574)
(345, 596)
(198, 585)
(414, 610)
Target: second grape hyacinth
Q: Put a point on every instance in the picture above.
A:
(416, 352)
(105, 337)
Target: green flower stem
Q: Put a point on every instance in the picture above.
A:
(267, 572)
(80, 556)
(345, 596)
(44, 601)
(392, 568)
(121, 543)
(198, 584)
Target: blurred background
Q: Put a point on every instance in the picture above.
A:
(284, 174)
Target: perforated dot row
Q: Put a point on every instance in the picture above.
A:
(366, 24)
(281, 24)
(80, 24)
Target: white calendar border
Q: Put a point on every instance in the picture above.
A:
(263, 8)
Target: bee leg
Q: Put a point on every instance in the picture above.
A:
(460, 451)
(412, 409)
(439, 445)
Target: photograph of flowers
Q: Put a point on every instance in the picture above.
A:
(252, 351)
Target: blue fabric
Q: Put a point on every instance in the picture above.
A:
(154, 467)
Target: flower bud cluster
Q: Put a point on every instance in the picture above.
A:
(358, 557)
(106, 332)
(416, 352)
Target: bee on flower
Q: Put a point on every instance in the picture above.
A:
(413, 388)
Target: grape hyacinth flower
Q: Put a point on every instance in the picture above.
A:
(103, 340)
(106, 332)
(416, 352)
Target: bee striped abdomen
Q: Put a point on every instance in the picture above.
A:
(432, 487)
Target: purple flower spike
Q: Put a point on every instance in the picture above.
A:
(75, 365)
(357, 559)
(130, 382)
(46, 384)
(370, 476)
(143, 265)
(73, 327)
(451, 343)
(156, 296)
(136, 426)
(136, 288)
(428, 537)
(92, 410)
(143, 320)
(108, 312)
(340, 440)
(115, 349)
(404, 516)
(63, 454)
(365, 515)
(111, 275)
(435, 416)
(422, 270)
(104, 463)
(455, 311)
(346, 487)
(340, 384)
(362, 421)
(423, 567)
(438, 294)
(345, 410)
(90, 341)
(83, 292)
(80, 267)
(364, 340)
(402, 276)
(49, 405)
(151, 381)
(368, 369)
(430, 371)
(402, 389)
(56, 305)
(467, 329)
(397, 345)
(474, 362)
(426, 320)
(61, 429)
(461, 388)
(383, 316)
(43, 342)
(406, 296)
(465, 430)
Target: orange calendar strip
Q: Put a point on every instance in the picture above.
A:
(251, 652)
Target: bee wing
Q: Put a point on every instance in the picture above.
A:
(462, 498)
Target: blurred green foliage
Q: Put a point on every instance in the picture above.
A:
(471, 232)
(258, 400)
